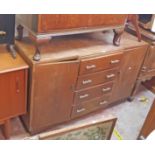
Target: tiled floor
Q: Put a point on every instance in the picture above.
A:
(131, 116)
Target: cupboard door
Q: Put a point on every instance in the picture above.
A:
(53, 91)
(129, 70)
(12, 94)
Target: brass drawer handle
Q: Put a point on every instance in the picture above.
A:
(90, 66)
(103, 102)
(106, 89)
(80, 110)
(2, 33)
(86, 81)
(84, 96)
(115, 61)
(110, 76)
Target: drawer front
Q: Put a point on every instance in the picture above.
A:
(96, 78)
(93, 92)
(92, 105)
(100, 63)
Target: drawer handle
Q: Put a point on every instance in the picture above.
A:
(115, 61)
(106, 89)
(2, 33)
(17, 85)
(103, 102)
(86, 81)
(144, 68)
(90, 67)
(80, 110)
(84, 96)
(110, 76)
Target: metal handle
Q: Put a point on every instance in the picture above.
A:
(86, 81)
(2, 33)
(103, 102)
(114, 61)
(106, 89)
(110, 76)
(80, 110)
(17, 85)
(90, 66)
(84, 96)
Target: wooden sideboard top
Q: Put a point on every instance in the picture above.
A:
(8, 64)
(77, 46)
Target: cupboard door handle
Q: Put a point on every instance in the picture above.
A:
(86, 81)
(83, 96)
(110, 76)
(144, 68)
(106, 89)
(115, 61)
(90, 67)
(17, 85)
(80, 110)
(103, 102)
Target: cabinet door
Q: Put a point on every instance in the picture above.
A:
(129, 70)
(52, 93)
(12, 94)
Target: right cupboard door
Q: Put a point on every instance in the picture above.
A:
(129, 71)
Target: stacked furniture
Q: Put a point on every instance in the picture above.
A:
(42, 27)
(79, 74)
(13, 88)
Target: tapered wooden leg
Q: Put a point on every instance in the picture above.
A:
(6, 129)
(117, 36)
(19, 32)
(37, 55)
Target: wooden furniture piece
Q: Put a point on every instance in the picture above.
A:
(13, 88)
(78, 75)
(149, 124)
(148, 68)
(43, 27)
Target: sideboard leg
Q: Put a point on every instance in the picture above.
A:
(19, 32)
(117, 36)
(37, 55)
(6, 129)
(131, 98)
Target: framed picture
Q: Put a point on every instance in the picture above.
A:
(98, 130)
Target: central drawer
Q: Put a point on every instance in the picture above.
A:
(91, 65)
(93, 92)
(93, 79)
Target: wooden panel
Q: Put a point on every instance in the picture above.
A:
(51, 22)
(52, 93)
(93, 92)
(89, 106)
(12, 94)
(100, 63)
(96, 78)
(149, 124)
(129, 70)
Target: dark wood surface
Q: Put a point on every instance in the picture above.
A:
(53, 79)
